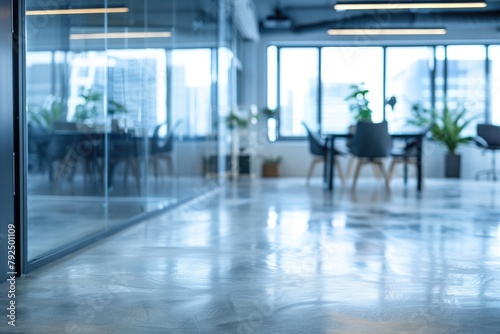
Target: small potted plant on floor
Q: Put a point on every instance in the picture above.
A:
(271, 167)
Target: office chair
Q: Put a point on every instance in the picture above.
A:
(370, 144)
(162, 147)
(319, 150)
(488, 138)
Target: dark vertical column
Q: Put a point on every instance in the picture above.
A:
(319, 103)
(9, 228)
(487, 87)
(384, 79)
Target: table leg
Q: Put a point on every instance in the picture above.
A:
(419, 163)
(331, 162)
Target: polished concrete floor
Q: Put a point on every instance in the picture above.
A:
(275, 256)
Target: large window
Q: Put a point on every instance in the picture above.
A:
(192, 84)
(408, 79)
(466, 77)
(342, 67)
(313, 83)
(298, 94)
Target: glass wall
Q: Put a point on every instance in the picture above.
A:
(119, 110)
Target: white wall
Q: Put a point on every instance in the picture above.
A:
(296, 160)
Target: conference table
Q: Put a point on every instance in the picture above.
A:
(329, 171)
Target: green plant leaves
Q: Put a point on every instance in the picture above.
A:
(359, 103)
(445, 126)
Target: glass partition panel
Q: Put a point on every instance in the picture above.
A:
(66, 123)
(193, 98)
(342, 67)
(119, 114)
(408, 80)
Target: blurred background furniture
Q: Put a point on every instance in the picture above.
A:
(162, 145)
(488, 138)
(318, 149)
(407, 155)
(370, 144)
(38, 140)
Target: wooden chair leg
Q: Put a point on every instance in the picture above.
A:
(391, 168)
(339, 171)
(359, 163)
(311, 168)
(310, 171)
(170, 166)
(380, 165)
(350, 163)
(376, 171)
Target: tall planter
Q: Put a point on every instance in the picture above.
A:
(452, 166)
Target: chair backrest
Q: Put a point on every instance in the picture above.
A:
(317, 145)
(490, 133)
(163, 144)
(371, 140)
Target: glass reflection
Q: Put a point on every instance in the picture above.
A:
(118, 122)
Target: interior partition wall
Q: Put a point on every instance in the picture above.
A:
(119, 115)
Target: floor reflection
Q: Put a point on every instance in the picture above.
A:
(270, 257)
(62, 213)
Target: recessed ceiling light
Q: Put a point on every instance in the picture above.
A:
(109, 35)
(77, 11)
(407, 5)
(406, 31)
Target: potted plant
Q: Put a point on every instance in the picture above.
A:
(360, 106)
(271, 166)
(88, 109)
(46, 115)
(234, 121)
(446, 127)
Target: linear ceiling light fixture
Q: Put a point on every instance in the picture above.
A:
(406, 31)
(78, 11)
(158, 34)
(407, 5)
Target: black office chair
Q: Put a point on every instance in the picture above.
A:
(371, 143)
(162, 145)
(319, 150)
(406, 155)
(488, 138)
